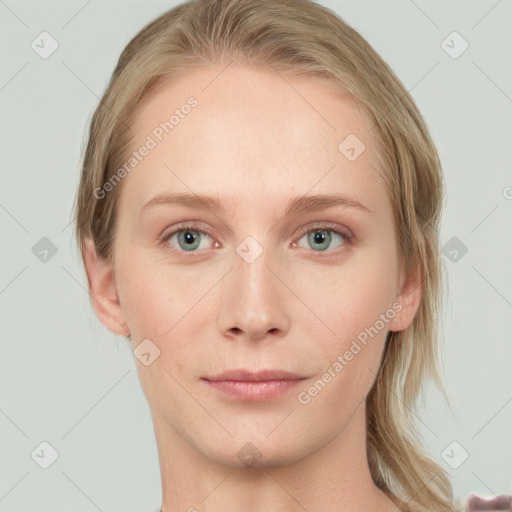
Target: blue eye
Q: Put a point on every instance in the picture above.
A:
(320, 239)
(189, 239)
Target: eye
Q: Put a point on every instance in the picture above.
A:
(191, 238)
(188, 239)
(322, 238)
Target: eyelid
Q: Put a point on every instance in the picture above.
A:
(328, 226)
(187, 225)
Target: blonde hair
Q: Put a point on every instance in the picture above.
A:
(305, 38)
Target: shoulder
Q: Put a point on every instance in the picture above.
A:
(476, 503)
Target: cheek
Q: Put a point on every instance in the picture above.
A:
(169, 307)
(146, 300)
(355, 300)
(155, 296)
(172, 306)
(350, 297)
(349, 359)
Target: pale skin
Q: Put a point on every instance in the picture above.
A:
(255, 144)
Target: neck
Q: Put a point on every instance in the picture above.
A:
(335, 477)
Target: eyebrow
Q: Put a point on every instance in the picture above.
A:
(296, 206)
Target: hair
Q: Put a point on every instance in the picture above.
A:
(306, 39)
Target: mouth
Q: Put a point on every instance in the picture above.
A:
(253, 386)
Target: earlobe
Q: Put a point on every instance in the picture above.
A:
(102, 290)
(408, 300)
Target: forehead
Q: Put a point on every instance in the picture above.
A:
(251, 134)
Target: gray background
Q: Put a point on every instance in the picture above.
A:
(69, 382)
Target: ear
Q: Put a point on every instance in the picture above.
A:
(408, 299)
(102, 290)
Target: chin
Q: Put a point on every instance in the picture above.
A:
(254, 453)
(252, 456)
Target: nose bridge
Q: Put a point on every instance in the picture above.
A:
(253, 304)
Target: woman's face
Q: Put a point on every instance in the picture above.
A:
(262, 278)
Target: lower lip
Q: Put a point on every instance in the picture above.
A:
(256, 391)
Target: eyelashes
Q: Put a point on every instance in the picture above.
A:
(192, 239)
(321, 236)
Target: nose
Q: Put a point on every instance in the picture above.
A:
(253, 300)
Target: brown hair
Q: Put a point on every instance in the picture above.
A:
(304, 38)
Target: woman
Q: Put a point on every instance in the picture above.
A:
(258, 213)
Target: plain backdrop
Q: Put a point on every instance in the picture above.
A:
(68, 382)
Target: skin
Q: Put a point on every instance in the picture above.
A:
(256, 141)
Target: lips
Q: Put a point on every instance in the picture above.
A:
(253, 386)
(254, 376)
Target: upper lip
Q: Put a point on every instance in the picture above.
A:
(254, 376)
